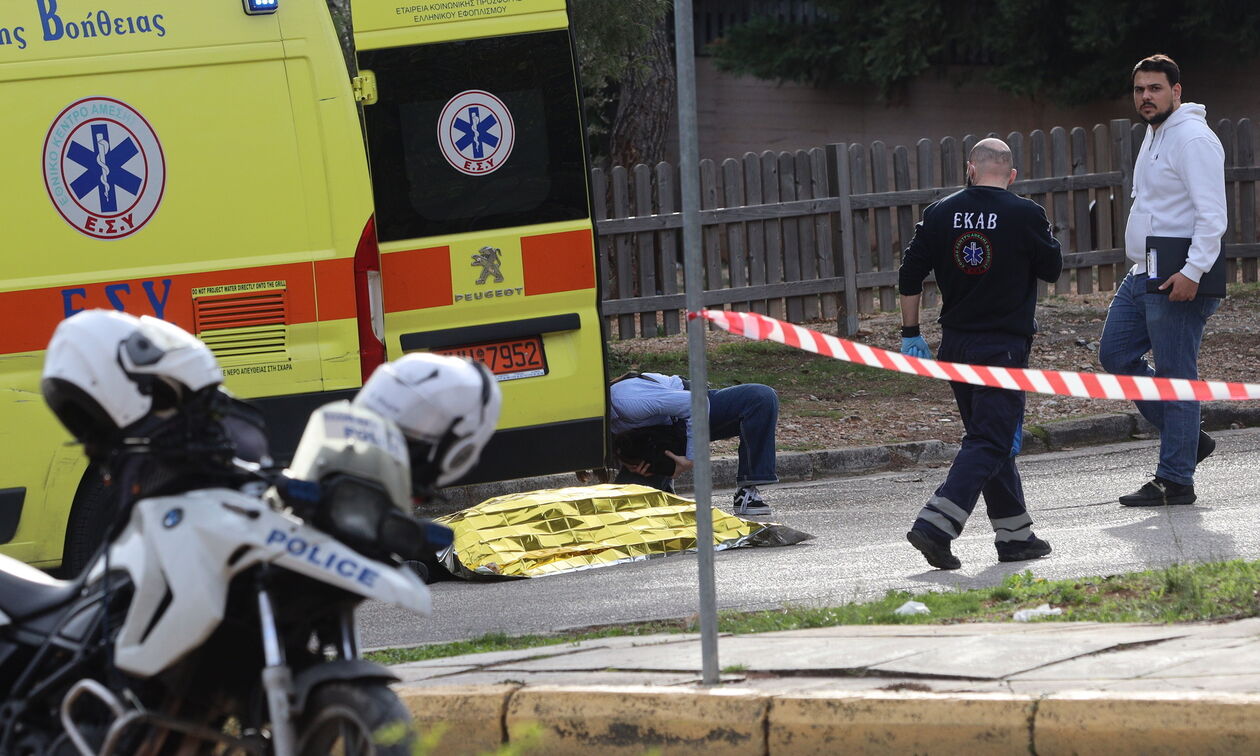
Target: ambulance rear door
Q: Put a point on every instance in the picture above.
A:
(479, 174)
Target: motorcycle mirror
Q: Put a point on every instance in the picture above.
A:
(413, 539)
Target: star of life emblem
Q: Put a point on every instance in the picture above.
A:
(476, 133)
(104, 168)
(973, 253)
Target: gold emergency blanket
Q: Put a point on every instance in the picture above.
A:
(564, 529)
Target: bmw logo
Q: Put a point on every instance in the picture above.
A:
(173, 517)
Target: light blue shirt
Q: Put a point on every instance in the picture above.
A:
(638, 403)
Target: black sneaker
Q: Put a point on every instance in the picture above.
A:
(748, 502)
(1158, 493)
(1022, 551)
(937, 554)
(1207, 445)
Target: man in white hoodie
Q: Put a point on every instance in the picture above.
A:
(1178, 190)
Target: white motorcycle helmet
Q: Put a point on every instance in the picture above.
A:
(447, 407)
(104, 371)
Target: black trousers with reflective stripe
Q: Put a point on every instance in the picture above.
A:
(993, 420)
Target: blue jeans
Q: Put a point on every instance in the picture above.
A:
(750, 411)
(993, 419)
(1138, 323)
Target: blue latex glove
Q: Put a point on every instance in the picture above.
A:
(915, 346)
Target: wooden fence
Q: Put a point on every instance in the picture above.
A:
(818, 233)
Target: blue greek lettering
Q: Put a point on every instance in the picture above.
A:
(157, 17)
(48, 18)
(119, 26)
(17, 34)
(89, 28)
(159, 305)
(103, 23)
(131, 25)
(111, 292)
(142, 23)
(72, 30)
(67, 300)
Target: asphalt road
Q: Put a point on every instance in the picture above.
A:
(860, 550)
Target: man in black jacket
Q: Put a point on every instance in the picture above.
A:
(987, 248)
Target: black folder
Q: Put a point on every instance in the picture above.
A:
(1166, 255)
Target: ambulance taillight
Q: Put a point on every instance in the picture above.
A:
(369, 301)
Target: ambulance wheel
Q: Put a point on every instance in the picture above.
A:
(89, 521)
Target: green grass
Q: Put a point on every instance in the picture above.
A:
(504, 642)
(1181, 593)
(1244, 291)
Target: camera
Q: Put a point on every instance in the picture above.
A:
(649, 445)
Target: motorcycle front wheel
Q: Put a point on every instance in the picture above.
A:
(355, 719)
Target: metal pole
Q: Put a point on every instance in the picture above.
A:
(689, 149)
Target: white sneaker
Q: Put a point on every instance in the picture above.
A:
(749, 502)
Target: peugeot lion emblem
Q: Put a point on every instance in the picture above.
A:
(489, 259)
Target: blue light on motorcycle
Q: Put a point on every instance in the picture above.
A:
(304, 491)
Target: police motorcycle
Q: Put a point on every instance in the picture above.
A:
(218, 615)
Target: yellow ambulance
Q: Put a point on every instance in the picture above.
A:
(185, 160)
(204, 162)
(483, 211)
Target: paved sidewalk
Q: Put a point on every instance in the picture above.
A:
(1041, 688)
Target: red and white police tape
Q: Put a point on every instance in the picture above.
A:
(1064, 382)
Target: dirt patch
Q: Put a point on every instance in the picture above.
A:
(857, 413)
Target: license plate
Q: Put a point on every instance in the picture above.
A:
(508, 360)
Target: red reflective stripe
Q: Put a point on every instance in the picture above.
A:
(416, 279)
(334, 286)
(884, 359)
(952, 371)
(1165, 389)
(1021, 379)
(558, 262)
(31, 315)
(986, 375)
(791, 337)
(1055, 379)
(1092, 386)
(1129, 387)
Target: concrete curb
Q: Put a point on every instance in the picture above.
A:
(795, 466)
(729, 720)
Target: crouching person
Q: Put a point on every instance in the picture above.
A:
(652, 438)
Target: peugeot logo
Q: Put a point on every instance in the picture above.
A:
(489, 259)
